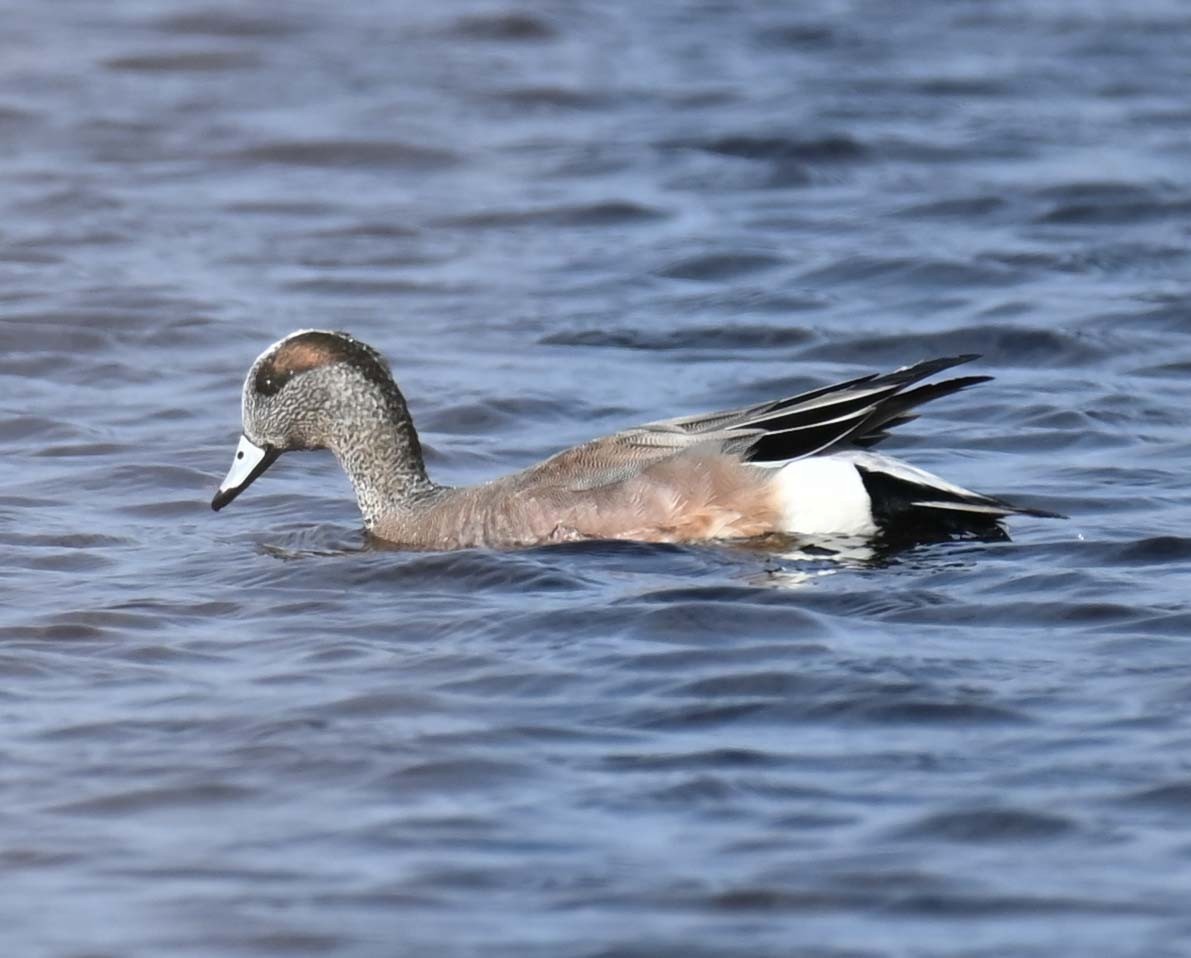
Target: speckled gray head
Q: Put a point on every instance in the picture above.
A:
(316, 389)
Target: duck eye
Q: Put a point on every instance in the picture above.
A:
(269, 383)
(240, 455)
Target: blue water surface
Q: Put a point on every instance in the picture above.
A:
(257, 733)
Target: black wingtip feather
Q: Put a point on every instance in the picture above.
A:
(863, 421)
(894, 411)
(927, 367)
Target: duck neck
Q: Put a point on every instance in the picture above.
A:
(380, 452)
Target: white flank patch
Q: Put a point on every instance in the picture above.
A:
(823, 496)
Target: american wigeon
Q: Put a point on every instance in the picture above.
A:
(800, 466)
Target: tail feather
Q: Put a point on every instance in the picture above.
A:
(899, 493)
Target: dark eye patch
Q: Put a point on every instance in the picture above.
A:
(270, 379)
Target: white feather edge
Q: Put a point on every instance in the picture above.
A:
(961, 507)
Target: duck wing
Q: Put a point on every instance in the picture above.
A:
(855, 413)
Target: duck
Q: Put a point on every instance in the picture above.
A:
(802, 466)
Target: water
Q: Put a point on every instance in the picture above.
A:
(256, 734)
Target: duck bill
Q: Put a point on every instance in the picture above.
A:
(251, 460)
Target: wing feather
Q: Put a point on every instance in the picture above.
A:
(847, 415)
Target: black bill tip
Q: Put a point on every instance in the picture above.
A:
(251, 460)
